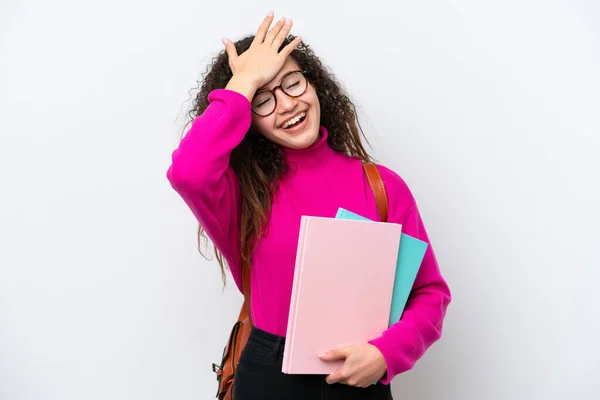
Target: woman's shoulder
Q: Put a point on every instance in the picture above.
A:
(400, 197)
(392, 178)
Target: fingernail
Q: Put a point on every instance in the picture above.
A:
(288, 21)
(270, 14)
(321, 355)
(282, 19)
(224, 41)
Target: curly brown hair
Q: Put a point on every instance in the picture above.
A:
(257, 161)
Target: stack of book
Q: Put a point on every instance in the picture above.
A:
(352, 280)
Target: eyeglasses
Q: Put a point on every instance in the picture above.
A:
(293, 84)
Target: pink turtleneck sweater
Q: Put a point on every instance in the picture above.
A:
(319, 181)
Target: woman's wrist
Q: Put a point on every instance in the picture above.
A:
(242, 84)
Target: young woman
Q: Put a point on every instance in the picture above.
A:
(274, 137)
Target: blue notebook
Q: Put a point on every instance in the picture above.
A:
(410, 256)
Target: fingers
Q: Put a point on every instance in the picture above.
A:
(275, 31)
(283, 33)
(335, 354)
(276, 35)
(287, 50)
(337, 376)
(231, 52)
(263, 28)
(342, 376)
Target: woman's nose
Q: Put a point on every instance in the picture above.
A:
(284, 102)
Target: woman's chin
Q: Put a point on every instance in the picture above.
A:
(297, 139)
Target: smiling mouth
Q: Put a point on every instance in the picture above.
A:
(295, 121)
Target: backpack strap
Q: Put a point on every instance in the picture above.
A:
(378, 188)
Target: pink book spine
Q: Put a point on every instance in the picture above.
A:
(287, 358)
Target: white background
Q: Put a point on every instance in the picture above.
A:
(488, 109)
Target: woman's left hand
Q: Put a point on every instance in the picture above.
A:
(363, 365)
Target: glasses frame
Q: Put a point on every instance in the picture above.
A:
(303, 72)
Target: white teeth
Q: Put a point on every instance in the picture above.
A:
(294, 120)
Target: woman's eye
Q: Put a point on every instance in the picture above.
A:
(263, 103)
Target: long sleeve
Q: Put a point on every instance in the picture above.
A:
(200, 172)
(405, 342)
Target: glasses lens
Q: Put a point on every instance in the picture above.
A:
(294, 84)
(263, 103)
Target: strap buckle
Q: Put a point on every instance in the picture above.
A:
(216, 368)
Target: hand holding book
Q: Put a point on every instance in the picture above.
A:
(363, 365)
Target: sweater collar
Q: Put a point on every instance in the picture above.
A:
(312, 155)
